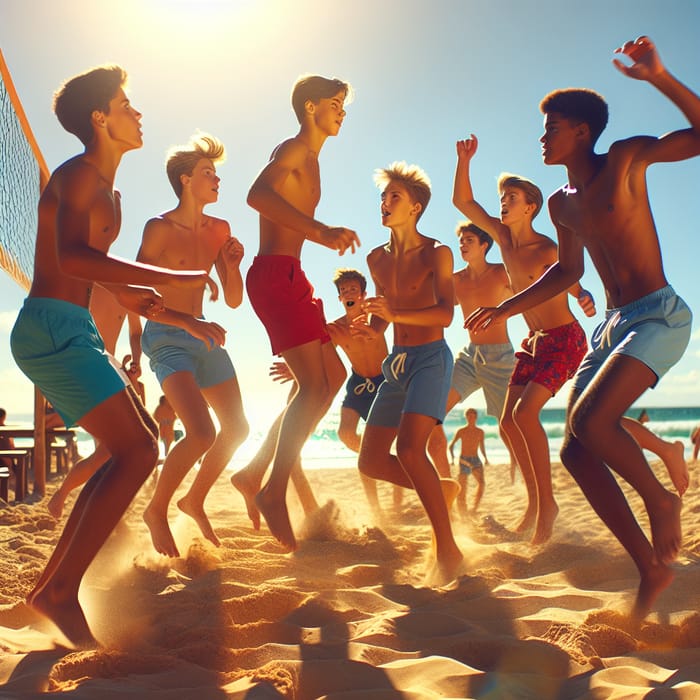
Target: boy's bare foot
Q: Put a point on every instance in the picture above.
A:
(55, 505)
(161, 536)
(449, 565)
(528, 520)
(196, 512)
(277, 519)
(677, 467)
(248, 490)
(67, 615)
(545, 524)
(665, 521)
(652, 583)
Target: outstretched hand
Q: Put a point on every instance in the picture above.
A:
(340, 238)
(646, 62)
(483, 317)
(280, 372)
(144, 301)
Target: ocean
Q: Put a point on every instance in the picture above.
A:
(324, 449)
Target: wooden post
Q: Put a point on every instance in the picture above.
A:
(40, 455)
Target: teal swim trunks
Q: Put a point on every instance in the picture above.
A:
(57, 345)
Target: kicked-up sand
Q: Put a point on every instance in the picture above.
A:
(349, 615)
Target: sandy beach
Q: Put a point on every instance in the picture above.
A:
(348, 616)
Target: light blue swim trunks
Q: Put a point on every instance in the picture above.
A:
(417, 380)
(486, 367)
(468, 463)
(172, 349)
(654, 329)
(57, 345)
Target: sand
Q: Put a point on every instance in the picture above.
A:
(348, 616)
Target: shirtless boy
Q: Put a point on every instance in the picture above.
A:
(286, 193)
(487, 361)
(366, 353)
(555, 345)
(413, 279)
(472, 440)
(194, 374)
(55, 342)
(604, 208)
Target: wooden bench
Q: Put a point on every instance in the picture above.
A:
(4, 483)
(20, 466)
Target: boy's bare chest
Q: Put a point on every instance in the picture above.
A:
(105, 220)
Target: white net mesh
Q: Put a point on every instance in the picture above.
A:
(20, 185)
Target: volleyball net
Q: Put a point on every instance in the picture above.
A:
(23, 175)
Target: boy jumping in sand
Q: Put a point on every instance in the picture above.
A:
(604, 208)
(487, 361)
(56, 344)
(286, 193)
(472, 440)
(413, 279)
(555, 345)
(194, 374)
(366, 353)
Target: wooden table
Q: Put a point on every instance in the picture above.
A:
(66, 434)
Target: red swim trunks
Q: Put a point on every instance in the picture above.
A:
(550, 357)
(283, 300)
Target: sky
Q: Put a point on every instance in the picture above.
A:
(424, 75)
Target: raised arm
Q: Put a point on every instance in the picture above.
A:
(463, 195)
(647, 65)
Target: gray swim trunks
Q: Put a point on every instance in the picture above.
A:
(486, 367)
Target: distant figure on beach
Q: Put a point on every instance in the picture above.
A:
(486, 362)
(165, 416)
(366, 353)
(412, 274)
(604, 208)
(286, 193)
(472, 440)
(55, 341)
(195, 373)
(695, 439)
(555, 345)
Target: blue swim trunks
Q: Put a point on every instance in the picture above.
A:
(417, 380)
(172, 349)
(360, 392)
(57, 345)
(486, 367)
(468, 463)
(654, 329)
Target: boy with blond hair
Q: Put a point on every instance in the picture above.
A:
(195, 373)
(604, 208)
(412, 274)
(555, 345)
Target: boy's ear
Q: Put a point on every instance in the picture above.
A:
(416, 209)
(582, 130)
(98, 118)
(309, 106)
